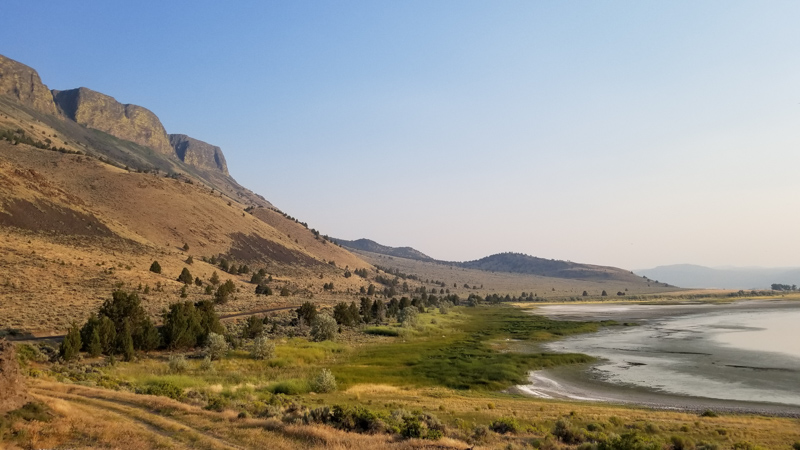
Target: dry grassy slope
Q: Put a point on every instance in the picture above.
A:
(306, 239)
(72, 227)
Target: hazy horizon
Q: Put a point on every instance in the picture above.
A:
(619, 133)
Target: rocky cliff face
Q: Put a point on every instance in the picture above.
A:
(102, 112)
(199, 154)
(23, 84)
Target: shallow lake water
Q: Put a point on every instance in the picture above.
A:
(746, 352)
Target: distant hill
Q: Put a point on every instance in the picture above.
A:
(526, 264)
(693, 276)
(505, 262)
(367, 245)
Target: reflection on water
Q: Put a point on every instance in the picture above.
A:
(768, 331)
(749, 353)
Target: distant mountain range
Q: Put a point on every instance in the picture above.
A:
(504, 262)
(693, 276)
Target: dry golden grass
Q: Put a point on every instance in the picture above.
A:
(125, 420)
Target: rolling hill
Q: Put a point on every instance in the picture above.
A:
(367, 245)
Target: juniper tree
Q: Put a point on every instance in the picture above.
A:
(155, 267)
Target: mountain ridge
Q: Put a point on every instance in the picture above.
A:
(132, 123)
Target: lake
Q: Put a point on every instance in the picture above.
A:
(685, 355)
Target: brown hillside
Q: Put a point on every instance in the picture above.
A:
(73, 228)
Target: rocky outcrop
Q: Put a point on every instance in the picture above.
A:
(199, 154)
(102, 112)
(13, 392)
(24, 85)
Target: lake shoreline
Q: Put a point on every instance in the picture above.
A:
(659, 369)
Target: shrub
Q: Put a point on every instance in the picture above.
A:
(709, 413)
(421, 426)
(285, 292)
(290, 387)
(217, 346)
(324, 328)
(324, 382)
(155, 267)
(382, 331)
(263, 348)
(163, 389)
(505, 425)
(409, 316)
(206, 365)
(679, 443)
(178, 364)
(356, 418)
(443, 309)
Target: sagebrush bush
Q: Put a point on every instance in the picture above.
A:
(263, 348)
(324, 382)
(217, 346)
(324, 328)
(178, 364)
(409, 316)
(207, 365)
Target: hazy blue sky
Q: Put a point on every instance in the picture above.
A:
(631, 133)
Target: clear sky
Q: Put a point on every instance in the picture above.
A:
(632, 134)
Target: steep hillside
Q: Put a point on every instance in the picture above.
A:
(73, 228)
(366, 245)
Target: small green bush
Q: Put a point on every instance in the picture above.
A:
(382, 331)
(709, 413)
(162, 388)
(290, 387)
(505, 425)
